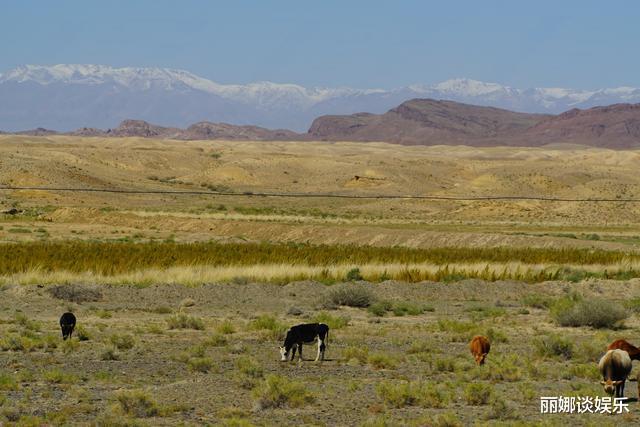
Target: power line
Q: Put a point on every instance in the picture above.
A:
(319, 195)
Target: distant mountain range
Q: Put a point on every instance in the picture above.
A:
(420, 122)
(67, 97)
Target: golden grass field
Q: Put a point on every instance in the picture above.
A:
(133, 363)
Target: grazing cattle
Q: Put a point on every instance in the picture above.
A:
(634, 352)
(615, 367)
(480, 347)
(67, 323)
(305, 334)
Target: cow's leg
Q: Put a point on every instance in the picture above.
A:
(300, 352)
(293, 352)
(319, 348)
(621, 389)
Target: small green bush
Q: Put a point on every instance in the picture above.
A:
(266, 322)
(595, 312)
(110, 353)
(184, 321)
(381, 361)
(248, 372)
(216, 340)
(403, 308)
(359, 353)
(200, 364)
(553, 346)
(226, 328)
(123, 341)
(351, 295)
(277, 391)
(353, 275)
(137, 403)
(403, 393)
(476, 394)
(334, 322)
(380, 308)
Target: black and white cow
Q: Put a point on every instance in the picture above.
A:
(67, 323)
(305, 334)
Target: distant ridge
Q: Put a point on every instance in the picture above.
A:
(419, 122)
(197, 131)
(430, 122)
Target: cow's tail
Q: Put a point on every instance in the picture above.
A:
(326, 337)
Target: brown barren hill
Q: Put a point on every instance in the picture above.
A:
(426, 122)
(430, 122)
(614, 126)
(208, 130)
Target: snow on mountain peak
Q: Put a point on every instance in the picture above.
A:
(468, 87)
(267, 103)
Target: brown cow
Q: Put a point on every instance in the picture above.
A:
(479, 347)
(615, 367)
(634, 352)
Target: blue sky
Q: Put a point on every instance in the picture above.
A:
(577, 44)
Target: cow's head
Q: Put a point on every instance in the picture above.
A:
(610, 386)
(480, 358)
(284, 354)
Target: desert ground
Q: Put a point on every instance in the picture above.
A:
(202, 349)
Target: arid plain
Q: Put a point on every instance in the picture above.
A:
(196, 343)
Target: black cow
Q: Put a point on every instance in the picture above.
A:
(67, 323)
(305, 333)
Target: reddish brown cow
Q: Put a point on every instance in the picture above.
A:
(634, 352)
(479, 347)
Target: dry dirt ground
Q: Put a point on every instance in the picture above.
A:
(77, 382)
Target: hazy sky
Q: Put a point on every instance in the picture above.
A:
(577, 44)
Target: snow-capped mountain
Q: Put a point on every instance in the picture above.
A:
(66, 97)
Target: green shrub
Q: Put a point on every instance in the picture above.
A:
(137, 403)
(200, 364)
(277, 391)
(595, 312)
(123, 341)
(334, 322)
(553, 346)
(57, 376)
(184, 321)
(476, 394)
(267, 322)
(226, 328)
(381, 361)
(216, 340)
(380, 308)
(404, 393)
(110, 353)
(403, 308)
(359, 353)
(248, 372)
(82, 333)
(353, 275)
(351, 295)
